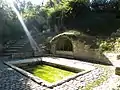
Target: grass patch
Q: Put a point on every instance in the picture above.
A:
(48, 73)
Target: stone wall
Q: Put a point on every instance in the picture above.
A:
(70, 53)
(81, 50)
(85, 52)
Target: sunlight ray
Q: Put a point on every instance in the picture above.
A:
(32, 41)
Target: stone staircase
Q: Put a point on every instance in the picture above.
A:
(14, 48)
(23, 49)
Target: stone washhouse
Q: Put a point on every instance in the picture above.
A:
(78, 46)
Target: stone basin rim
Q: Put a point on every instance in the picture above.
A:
(39, 80)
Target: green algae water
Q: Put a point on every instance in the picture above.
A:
(48, 73)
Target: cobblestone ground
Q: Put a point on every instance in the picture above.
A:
(13, 80)
(113, 83)
(80, 82)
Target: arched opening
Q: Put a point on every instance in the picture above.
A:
(64, 44)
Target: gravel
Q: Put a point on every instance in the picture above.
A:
(13, 80)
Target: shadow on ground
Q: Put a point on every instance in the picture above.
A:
(12, 80)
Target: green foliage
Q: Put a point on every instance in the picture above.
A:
(10, 26)
(117, 45)
(37, 17)
(65, 10)
(106, 45)
(43, 18)
(111, 44)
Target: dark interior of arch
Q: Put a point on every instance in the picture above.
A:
(64, 44)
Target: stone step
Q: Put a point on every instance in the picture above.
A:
(11, 54)
(22, 43)
(18, 55)
(18, 45)
(6, 54)
(4, 58)
(15, 47)
(117, 71)
(10, 51)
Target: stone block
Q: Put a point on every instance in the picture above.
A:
(117, 71)
(118, 57)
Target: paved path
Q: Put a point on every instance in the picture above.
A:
(113, 58)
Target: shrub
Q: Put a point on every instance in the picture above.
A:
(106, 45)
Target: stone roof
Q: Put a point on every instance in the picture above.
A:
(70, 34)
(76, 35)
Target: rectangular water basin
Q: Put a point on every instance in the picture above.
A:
(49, 73)
(46, 72)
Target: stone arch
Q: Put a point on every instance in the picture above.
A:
(64, 44)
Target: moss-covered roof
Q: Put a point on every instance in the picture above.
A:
(70, 34)
(75, 35)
